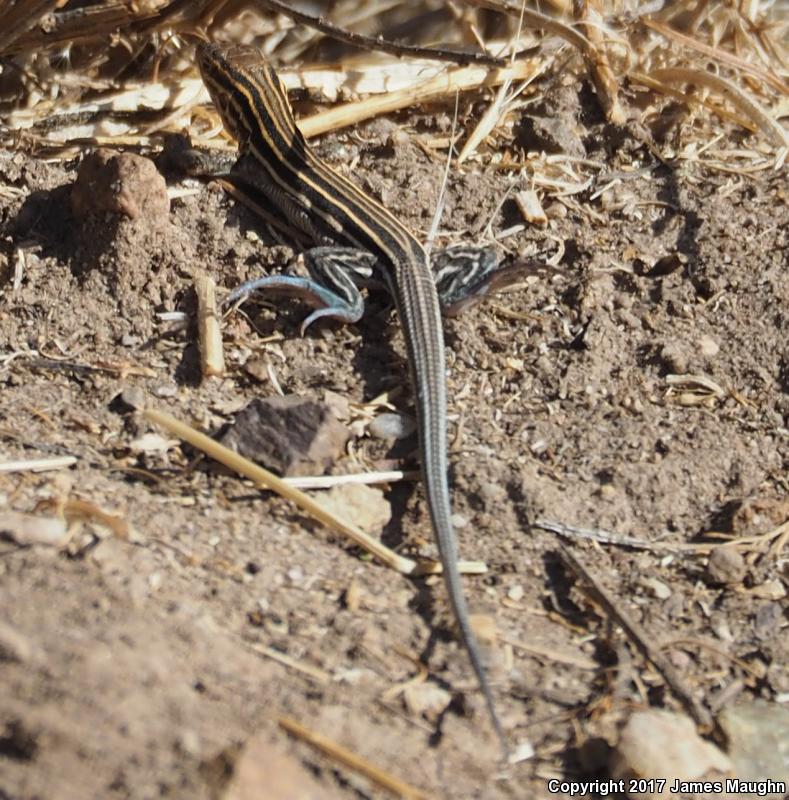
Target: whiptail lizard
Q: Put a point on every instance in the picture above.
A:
(356, 238)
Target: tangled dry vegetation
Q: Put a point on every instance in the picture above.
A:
(78, 75)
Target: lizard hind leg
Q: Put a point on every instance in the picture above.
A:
(465, 274)
(332, 286)
(462, 275)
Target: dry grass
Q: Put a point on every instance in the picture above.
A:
(122, 75)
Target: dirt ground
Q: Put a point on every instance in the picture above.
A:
(132, 668)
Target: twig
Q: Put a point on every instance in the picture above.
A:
(212, 360)
(550, 654)
(776, 539)
(72, 509)
(642, 641)
(422, 674)
(351, 760)
(781, 536)
(442, 196)
(698, 382)
(328, 481)
(21, 18)
(455, 80)
(534, 19)
(493, 114)
(606, 537)
(380, 44)
(268, 480)
(314, 673)
(748, 106)
(54, 365)
(70, 27)
(38, 464)
(597, 60)
(719, 55)
(693, 644)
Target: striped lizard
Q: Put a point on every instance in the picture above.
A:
(355, 238)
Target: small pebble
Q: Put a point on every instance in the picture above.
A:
(709, 347)
(155, 580)
(459, 521)
(31, 529)
(152, 443)
(675, 358)
(539, 447)
(657, 588)
(515, 593)
(523, 751)
(608, 491)
(725, 566)
(257, 368)
(295, 576)
(291, 435)
(720, 627)
(426, 700)
(132, 398)
(556, 211)
(398, 137)
(363, 506)
(628, 319)
(667, 264)
(680, 659)
(769, 590)
(768, 620)
(390, 425)
(170, 390)
(189, 742)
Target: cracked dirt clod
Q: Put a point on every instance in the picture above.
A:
(120, 183)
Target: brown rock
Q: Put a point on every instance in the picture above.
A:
(290, 435)
(675, 357)
(264, 771)
(120, 183)
(364, 506)
(726, 565)
(657, 743)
